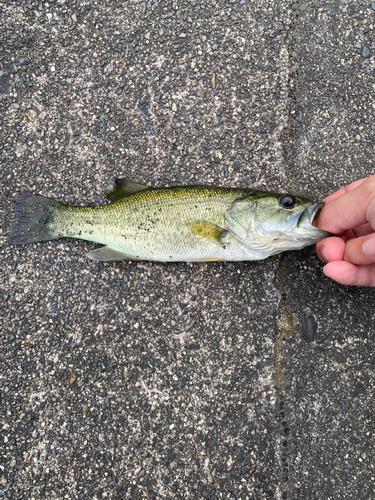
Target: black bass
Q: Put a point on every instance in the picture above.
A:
(186, 223)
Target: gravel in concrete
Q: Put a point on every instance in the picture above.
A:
(141, 380)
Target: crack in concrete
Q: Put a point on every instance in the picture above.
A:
(288, 133)
(284, 329)
(284, 326)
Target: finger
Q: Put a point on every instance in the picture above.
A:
(360, 251)
(346, 273)
(352, 209)
(354, 233)
(345, 189)
(331, 249)
(358, 231)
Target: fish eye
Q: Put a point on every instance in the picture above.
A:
(288, 201)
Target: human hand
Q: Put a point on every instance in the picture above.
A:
(349, 213)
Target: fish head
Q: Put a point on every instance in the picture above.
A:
(270, 223)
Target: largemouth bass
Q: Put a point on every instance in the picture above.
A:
(186, 223)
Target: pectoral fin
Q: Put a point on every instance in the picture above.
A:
(105, 253)
(120, 188)
(207, 230)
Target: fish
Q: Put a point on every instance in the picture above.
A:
(174, 224)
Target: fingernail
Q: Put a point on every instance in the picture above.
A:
(369, 247)
(324, 255)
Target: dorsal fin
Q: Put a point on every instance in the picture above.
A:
(120, 188)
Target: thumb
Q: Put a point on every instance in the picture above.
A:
(350, 210)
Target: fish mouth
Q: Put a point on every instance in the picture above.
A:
(306, 217)
(314, 210)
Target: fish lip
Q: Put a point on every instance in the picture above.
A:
(311, 213)
(314, 211)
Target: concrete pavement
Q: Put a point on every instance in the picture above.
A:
(141, 380)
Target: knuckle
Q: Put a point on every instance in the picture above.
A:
(369, 196)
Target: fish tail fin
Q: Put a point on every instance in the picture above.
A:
(34, 215)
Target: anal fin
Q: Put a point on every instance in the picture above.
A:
(105, 253)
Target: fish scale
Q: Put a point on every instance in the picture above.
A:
(152, 225)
